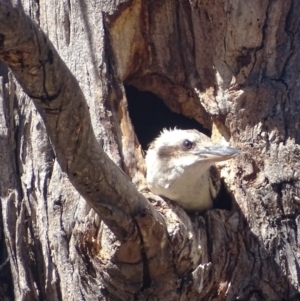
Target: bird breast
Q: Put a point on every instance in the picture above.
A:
(189, 186)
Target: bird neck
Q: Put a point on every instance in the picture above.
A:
(188, 185)
(193, 191)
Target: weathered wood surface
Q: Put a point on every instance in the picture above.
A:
(230, 65)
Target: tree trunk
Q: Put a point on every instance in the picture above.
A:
(72, 224)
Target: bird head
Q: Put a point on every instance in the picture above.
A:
(187, 147)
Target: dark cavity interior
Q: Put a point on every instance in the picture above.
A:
(149, 115)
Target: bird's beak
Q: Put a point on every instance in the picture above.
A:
(216, 153)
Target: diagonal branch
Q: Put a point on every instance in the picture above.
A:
(60, 101)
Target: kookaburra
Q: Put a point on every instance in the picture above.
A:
(178, 167)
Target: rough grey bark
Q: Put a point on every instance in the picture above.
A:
(230, 65)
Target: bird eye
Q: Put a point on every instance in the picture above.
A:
(187, 144)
